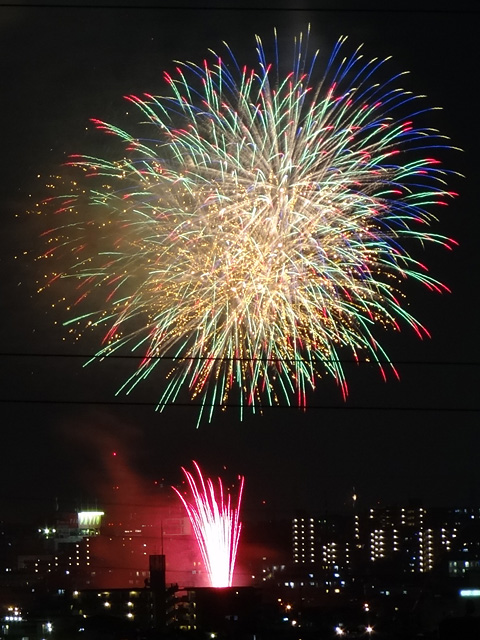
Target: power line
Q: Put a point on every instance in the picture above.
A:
(178, 358)
(258, 408)
(434, 9)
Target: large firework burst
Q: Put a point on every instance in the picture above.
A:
(256, 233)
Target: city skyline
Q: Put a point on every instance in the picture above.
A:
(109, 548)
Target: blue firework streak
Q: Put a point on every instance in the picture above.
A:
(258, 232)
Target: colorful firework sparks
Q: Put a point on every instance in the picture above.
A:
(216, 525)
(256, 234)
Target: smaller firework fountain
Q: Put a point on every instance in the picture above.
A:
(216, 525)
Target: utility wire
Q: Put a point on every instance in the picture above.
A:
(436, 9)
(258, 409)
(179, 358)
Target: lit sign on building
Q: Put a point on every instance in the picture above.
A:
(470, 593)
(90, 518)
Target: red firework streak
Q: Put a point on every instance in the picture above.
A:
(216, 525)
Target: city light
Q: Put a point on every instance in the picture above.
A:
(14, 614)
(90, 518)
(470, 593)
(48, 627)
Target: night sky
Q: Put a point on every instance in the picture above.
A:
(414, 439)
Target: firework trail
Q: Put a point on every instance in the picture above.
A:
(216, 525)
(256, 234)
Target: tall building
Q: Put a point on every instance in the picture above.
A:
(322, 546)
(304, 538)
(418, 538)
(401, 532)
